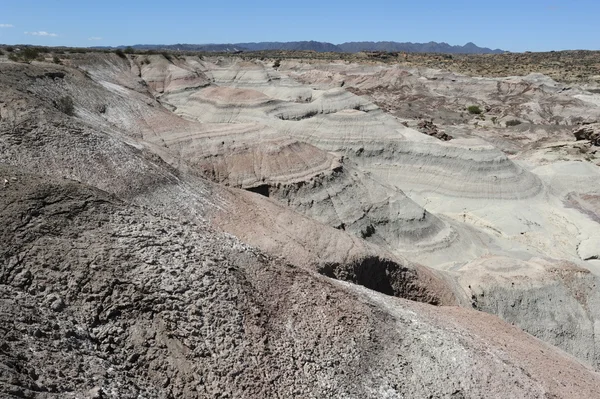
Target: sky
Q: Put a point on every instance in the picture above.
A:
(512, 25)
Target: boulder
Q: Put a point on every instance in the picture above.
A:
(589, 132)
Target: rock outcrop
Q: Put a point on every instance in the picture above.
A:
(590, 132)
(428, 127)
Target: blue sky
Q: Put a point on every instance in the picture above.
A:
(535, 25)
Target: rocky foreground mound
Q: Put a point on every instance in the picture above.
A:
(104, 299)
(218, 228)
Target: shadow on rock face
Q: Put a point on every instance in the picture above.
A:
(382, 275)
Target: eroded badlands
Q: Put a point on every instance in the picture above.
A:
(218, 227)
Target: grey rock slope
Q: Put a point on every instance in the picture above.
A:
(104, 299)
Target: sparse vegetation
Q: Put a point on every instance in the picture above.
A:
(1, 52)
(168, 56)
(129, 50)
(120, 53)
(514, 122)
(474, 110)
(10, 49)
(66, 105)
(30, 53)
(26, 55)
(277, 63)
(56, 60)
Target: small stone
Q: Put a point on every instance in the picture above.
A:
(133, 357)
(96, 393)
(70, 333)
(57, 305)
(34, 376)
(166, 382)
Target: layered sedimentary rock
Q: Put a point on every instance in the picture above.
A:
(164, 74)
(166, 160)
(337, 121)
(115, 161)
(488, 203)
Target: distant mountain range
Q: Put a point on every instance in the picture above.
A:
(349, 47)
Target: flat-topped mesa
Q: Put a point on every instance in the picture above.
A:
(410, 160)
(445, 95)
(226, 104)
(220, 104)
(249, 155)
(167, 75)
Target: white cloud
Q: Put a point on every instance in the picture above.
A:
(7, 26)
(94, 38)
(41, 33)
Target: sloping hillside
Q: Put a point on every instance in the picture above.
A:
(217, 227)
